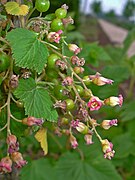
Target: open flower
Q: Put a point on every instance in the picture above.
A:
(5, 165)
(18, 159)
(99, 80)
(94, 103)
(106, 124)
(113, 101)
(54, 36)
(107, 148)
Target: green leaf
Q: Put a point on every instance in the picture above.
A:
(70, 166)
(38, 169)
(37, 101)
(121, 149)
(28, 51)
(128, 111)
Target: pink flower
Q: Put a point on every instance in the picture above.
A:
(107, 148)
(99, 80)
(73, 142)
(30, 121)
(94, 103)
(113, 101)
(74, 48)
(106, 124)
(13, 145)
(18, 159)
(5, 165)
(54, 36)
(88, 139)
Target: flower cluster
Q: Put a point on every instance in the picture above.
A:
(14, 157)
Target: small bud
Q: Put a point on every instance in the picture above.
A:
(18, 159)
(99, 80)
(107, 148)
(67, 21)
(74, 48)
(67, 81)
(78, 70)
(13, 145)
(80, 127)
(5, 165)
(113, 101)
(14, 81)
(54, 36)
(62, 65)
(73, 141)
(88, 139)
(64, 6)
(30, 121)
(106, 124)
(94, 103)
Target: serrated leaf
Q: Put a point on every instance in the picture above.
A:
(14, 8)
(28, 51)
(37, 101)
(70, 166)
(38, 169)
(41, 137)
(24, 9)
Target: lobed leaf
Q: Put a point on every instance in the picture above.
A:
(28, 51)
(37, 101)
(14, 8)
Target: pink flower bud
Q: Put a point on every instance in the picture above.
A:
(94, 103)
(30, 121)
(78, 70)
(88, 139)
(107, 148)
(73, 142)
(80, 127)
(67, 81)
(18, 159)
(11, 139)
(13, 145)
(113, 101)
(99, 80)
(74, 48)
(5, 165)
(106, 124)
(67, 21)
(54, 36)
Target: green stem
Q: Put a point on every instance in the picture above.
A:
(30, 13)
(3, 127)
(15, 118)
(8, 113)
